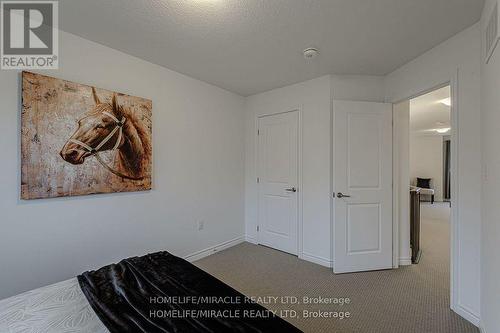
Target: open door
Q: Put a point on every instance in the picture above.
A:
(363, 186)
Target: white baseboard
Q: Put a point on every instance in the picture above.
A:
(214, 249)
(467, 314)
(316, 259)
(251, 239)
(304, 256)
(404, 261)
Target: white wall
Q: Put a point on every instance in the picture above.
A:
(361, 88)
(314, 98)
(490, 137)
(426, 161)
(460, 54)
(198, 175)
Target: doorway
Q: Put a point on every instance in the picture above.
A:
(424, 132)
(278, 169)
(430, 177)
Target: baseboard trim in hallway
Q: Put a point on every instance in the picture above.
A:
(315, 259)
(404, 261)
(468, 315)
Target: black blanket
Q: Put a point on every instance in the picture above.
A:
(160, 292)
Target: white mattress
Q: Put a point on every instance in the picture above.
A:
(60, 308)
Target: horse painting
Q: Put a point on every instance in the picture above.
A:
(78, 140)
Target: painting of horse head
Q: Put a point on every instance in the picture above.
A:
(103, 139)
(93, 129)
(109, 126)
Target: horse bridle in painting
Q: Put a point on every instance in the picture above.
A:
(95, 151)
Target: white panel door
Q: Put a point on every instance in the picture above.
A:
(363, 186)
(278, 178)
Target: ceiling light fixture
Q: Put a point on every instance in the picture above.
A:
(446, 101)
(442, 130)
(311, 53)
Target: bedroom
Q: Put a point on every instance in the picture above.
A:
(212, 70)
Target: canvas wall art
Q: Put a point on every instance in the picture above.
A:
(78, 139)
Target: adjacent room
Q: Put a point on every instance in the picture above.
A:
(430, 143)
(249, 166)
(430, 174)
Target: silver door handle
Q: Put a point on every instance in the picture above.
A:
(341, 195)
(292, 189)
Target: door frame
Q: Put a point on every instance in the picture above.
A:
(297, 109)
(455, 209)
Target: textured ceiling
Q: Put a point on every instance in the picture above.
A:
(428, 113)
(250, 46)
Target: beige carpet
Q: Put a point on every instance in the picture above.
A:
(410, 299)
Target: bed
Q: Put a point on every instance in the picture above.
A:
(158, 292)
(61, 308)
